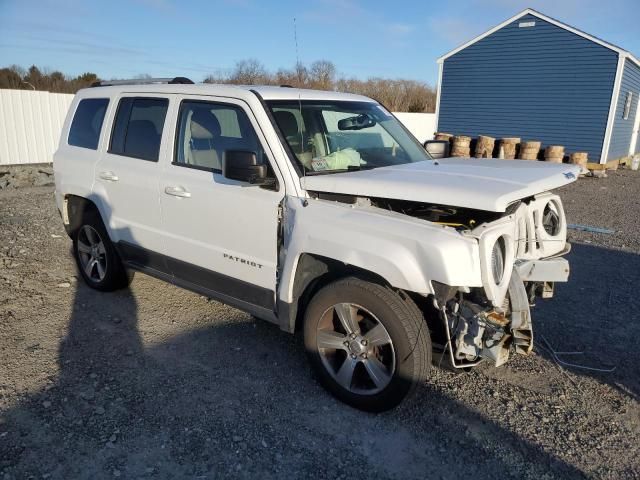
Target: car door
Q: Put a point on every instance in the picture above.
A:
(127, 176)
(220, 234)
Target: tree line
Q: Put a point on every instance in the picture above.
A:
(33, 78)
(399, 95)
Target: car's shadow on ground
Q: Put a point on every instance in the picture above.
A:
(596, 313)
(237, 398)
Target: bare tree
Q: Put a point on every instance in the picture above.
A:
(37, 79)
(400, 95)
(249, 72)
(322, 75)
(9, 78)
(301, 75)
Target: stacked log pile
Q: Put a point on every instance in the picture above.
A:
(484, 147)
(529, 150)
(509, 146)
(461, 146)
(554, 153)
(580, 159)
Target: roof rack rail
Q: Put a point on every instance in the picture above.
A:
(142, 81)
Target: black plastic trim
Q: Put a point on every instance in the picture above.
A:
(292, 157)
(229, 290)
(197, 167)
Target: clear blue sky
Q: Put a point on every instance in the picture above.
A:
(388, 38)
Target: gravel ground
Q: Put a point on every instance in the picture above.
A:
(157, 382)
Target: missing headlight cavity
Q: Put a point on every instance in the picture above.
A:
(498, 254)
(551, 219)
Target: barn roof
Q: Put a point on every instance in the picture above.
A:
(530, 11)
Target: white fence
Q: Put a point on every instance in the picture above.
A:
(422, 125)
(30, 125)
(31, 122)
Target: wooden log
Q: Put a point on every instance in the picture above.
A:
(509, 146)
(484, 147)
(443, 136)
(554, 153)
(529, 150)
(581, 159)
(461, 146)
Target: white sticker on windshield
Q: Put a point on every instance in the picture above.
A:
(319, 164)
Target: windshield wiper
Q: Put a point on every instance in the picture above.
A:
(355, 168)
(350, 168)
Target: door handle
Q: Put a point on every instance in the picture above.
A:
(177, 192)
(108, 176)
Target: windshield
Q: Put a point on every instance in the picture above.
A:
(334, 136)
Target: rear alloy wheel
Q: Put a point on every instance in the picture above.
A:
(92, 254)
(96, 257)
(368, 344)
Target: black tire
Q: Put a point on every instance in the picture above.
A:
(115, 275)
(404, 324)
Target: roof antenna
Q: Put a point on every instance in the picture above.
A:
(295, 39)
(297, 67)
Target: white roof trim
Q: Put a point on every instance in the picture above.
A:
(615, 94)
(539, 15)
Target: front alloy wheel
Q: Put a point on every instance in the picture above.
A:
(368, 344)
(356, 349)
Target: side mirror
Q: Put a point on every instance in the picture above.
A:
(437, 148)
(244, 166)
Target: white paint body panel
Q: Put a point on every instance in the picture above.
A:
(409, 253)
(483, 184)
(130, 204)
(220, 216)
(223, 216)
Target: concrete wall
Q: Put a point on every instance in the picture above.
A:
(31, 122)
(30, 125)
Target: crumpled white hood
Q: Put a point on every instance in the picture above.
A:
(483, 184)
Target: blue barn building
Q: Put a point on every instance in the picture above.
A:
(536, 78)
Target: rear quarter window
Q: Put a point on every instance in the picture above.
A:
(87, 123)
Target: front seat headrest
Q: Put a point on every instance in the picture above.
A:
(204, 125)
(287, 123)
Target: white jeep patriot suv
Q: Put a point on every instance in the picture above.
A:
(313, 210)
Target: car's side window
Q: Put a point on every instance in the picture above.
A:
(87, 123)
(206, 130)
(137, 129)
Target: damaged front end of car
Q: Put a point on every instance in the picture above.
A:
(520, 259)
